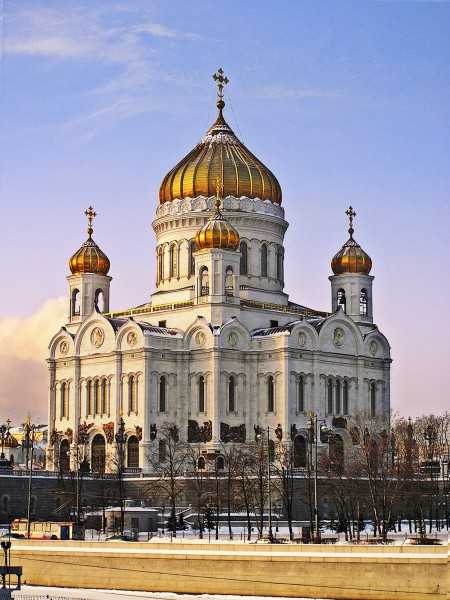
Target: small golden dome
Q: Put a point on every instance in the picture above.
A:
(351, 258)
(89, 258)
(217, 233)
(220, 154)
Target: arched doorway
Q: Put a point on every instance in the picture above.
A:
(64, 457)
(336, 444)
(300, 457)
(133, 452)
(98, 454)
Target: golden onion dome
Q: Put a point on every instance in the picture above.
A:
(351, 258)
(89, 258)
(217, 233)
(220, 154)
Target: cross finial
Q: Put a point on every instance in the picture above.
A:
(350, 214)
(90, 213)
(221, 81)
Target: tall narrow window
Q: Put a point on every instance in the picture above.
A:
(204, 282)
(363, 303)
(173, 265)
(341, 299)
(330, 397)
(201, 394)
(231, 395)
(162, 394)
(270, 395)
(99, 300)
(162, 451)
(280, 263)
(264, 260)
(229, 284)
(75, 302)
(132, 393)
(64, 399)
(105, 397)
(88, 398)
(98, 397)
(373, 399)
(244, 258)
(338, 397)
(345, 397)
(301, 394)
(192, 250)
(160, 264)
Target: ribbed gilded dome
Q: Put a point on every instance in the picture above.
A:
(217, 233)
(220, 155)
(351, 258)
(89, 258)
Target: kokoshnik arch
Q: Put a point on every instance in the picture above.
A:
(220, 351)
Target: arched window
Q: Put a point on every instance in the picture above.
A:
(64, 399)
(345, 397)
(105, 397)
(201, 394)
(330, 397)
(270, 395)
(338, 397)
(300, 452)
(243, 268)
(264, 260)
(90, 398)
(301, 394)
(373, 399)
(133, 452)
(280, 253)
(341, 298)
(160, 264)
(173, 262)
(98, 454)
(201, 463)
(98, 397)
(162, 394)
(231, 394)
(99, 300)
(192, 250)
(76, 302)
(220, 463)
(363, 303)
(229, 284)
(64, 457)
(204, 282)
(132, 394)
(162, 450)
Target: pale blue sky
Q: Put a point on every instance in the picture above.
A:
(345, 101)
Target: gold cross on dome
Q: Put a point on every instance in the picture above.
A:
(350, 214)
(90, 213)
(221, 81)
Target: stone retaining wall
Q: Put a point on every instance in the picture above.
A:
(364, 573)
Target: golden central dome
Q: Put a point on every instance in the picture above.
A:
(220, 155)
(351, 258)
(89, 258)
(217, 233)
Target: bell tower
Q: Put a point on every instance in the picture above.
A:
(351, 284)
(89, 282)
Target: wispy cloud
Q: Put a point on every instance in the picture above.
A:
(28, 339)
(279, 92)
(117, 44)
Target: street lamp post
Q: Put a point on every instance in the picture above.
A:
(259, 436)
(312, 438)
(121, 439)
(30, 429)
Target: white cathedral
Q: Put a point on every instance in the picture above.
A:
(219, 352)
